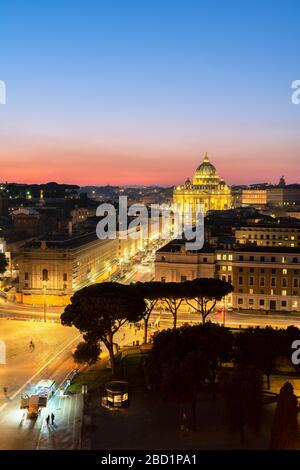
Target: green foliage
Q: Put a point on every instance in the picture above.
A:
(99, 311)
(3, 263)
(242, 389)
(258, 348)
(214, 342)
(181, 381)
(284, 432)
(205, 292)
(87, 353)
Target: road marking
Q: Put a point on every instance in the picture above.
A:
(39, 371)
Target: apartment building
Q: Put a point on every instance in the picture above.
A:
(269, 235)
(264, 277)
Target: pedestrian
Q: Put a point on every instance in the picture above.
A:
(52, 418)
(47, 420)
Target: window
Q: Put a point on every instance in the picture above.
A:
(45, 275)
(230, 279)
(262, 281)
(241, 280)
(204, 260)
(273, 281)
(262, 258)
(241, 258)
(251, 281)
(283, 293)
(223, 268)
(240, 301)
(219, 257)
(229, 268)
(224, 257)
(283, 303)
(250, 291)
(182, 278)
(230, 257)
(65, 277)
(296, 282)
(284, 282)
(295, 260)
(163, 258)
(273, 271)
(261, 302)
(251, 258)
(283, 259)
(240, 270)
(26, 276)
(251, 270)
(262, 270)
(272, 292)
(284, 271)
(251, 301)
(273, 259)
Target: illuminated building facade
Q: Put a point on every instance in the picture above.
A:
(269, 235)
(254, 197)
(56, 269)
(264, 278)
(206, 189)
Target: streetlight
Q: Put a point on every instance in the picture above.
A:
(45, 280)
(224, 311)
(45, 299)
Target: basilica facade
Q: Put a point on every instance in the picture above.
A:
(206, 189)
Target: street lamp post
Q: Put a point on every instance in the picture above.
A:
(224, 311)
(45, 300)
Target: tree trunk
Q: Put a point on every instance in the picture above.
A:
(174, 319)
(112, 359)
(110, 346)
(146, 330)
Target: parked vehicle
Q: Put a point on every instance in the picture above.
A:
(45, 387)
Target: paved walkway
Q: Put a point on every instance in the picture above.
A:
(65, 432)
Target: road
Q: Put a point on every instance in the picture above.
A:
(51, 358)
(232, 319)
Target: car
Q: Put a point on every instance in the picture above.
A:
(45, 387)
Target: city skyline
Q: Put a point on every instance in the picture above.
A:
(127, 94)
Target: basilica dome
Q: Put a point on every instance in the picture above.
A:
(206, 169)
(206, 189)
